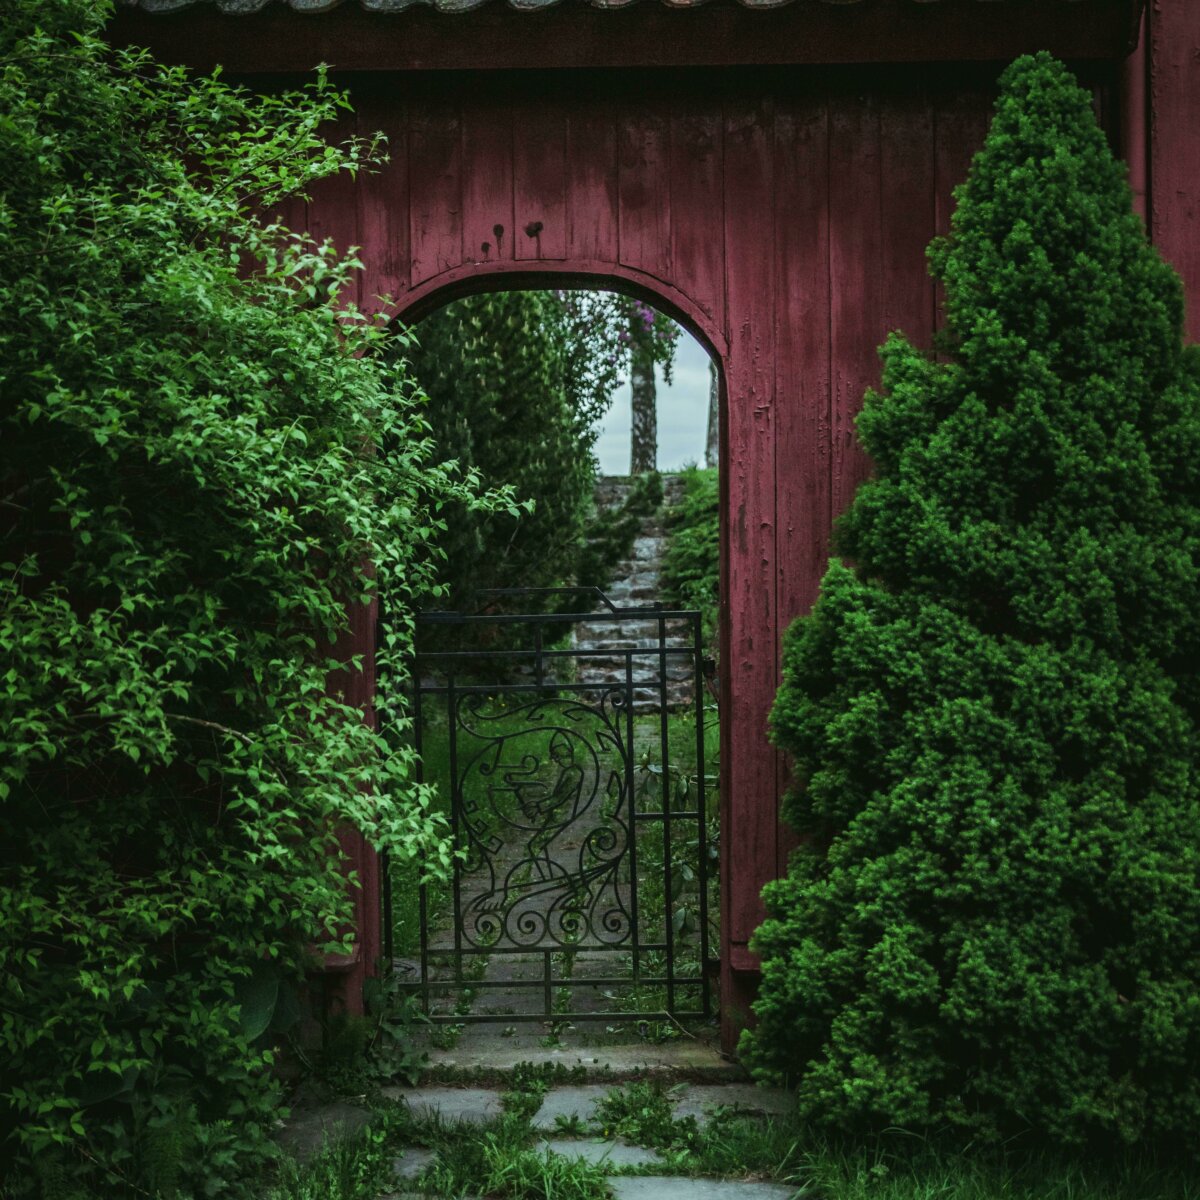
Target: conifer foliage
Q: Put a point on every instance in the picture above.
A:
(994, 918)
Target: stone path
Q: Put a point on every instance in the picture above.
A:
(477, 1106)
(675, 1187)
(637, 581)
(473, 1105)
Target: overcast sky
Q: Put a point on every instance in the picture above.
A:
(682, 415)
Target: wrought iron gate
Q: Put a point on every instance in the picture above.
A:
(581, 884)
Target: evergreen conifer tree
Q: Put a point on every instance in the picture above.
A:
(994, 917)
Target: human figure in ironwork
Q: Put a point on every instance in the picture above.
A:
(550, 808)
(563, 883)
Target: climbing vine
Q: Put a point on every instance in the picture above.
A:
(203, 465)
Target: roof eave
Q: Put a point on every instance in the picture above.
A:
(292, 37)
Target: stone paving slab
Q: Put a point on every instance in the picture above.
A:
(682, 1187)
(415, 1160)
(695, 1099)
(608, 1154)
(573, 1100)
(483, 1047)
(417, 1196)
(476, 1105)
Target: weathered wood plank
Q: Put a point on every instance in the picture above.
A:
(697, 244)
(1132, 118)
(592, 199)
(540, 180)
(489, 228)
(749, 664)
(382, 199)
(802, 478)
(435, 173)
(908, 216)
(856, 298)
(1175, 147)
(643, 146)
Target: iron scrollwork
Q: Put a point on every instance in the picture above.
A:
(542, 814)
(561, 890)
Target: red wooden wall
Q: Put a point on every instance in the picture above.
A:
(786, 226)
(1168, 144)
(782, 213)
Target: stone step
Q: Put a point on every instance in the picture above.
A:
(681, 1187)
(477, 1105)
(595, 638)
(638, 580)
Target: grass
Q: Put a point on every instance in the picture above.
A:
(497, 1162)
(643, 1113)
(889, 1166)
(502, 1158)
(499, 1158)
(909, 1169)
(353, 1166)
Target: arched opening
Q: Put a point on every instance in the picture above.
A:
(565, 704)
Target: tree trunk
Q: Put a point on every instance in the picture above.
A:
(712, 447)
(643, 450)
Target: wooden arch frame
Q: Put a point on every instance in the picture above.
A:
(474, 279)
(755, 213)
(490, 277)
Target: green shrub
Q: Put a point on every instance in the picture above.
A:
(692, 564)
(515, 391)
(202, 461)
(354, 1165)
(993, 921)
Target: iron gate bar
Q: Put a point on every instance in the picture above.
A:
(664, 758)
(631, 792)
(678, 651)
(614, 1017)
(593, 592)
(451, 703)
(698, 670)
(422, 891)
(577, 895)
(550, 618)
